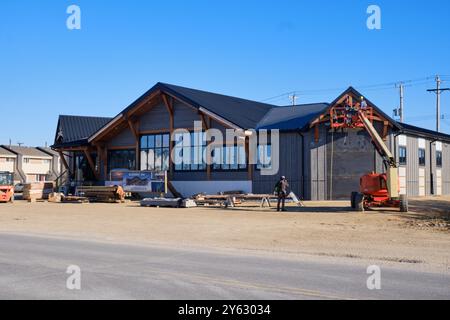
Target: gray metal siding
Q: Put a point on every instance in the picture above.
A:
(123, 139)
(446, 169)
(156, 119)
(290, 166)
(412, 166)
(184, 116)
(316, 165)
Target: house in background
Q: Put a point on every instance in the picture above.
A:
(33, 164)
(8, 163)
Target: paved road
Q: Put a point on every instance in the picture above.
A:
(35, 268)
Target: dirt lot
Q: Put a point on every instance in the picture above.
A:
(420, 238)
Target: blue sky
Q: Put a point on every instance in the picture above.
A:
(251, 49)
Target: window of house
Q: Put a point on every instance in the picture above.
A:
(121, 159)
(26, 160)
(47, 161)
(402, 155)
(10, 159)
(422, 157)
(264, 157)
(439, 158)
(155, 152)
(189, 151)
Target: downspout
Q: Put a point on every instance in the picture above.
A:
(303, 165)
(432, 192)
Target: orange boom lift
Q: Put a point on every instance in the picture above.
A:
(6, 187)
(376, 189)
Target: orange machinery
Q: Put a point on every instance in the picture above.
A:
(376, 189)
(6, 187)
(379, 189)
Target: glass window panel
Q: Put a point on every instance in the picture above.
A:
(151, 141)
(166, 155)
(158, 141)
(158, 159)
(144, 156)
(242, 157)
(194, 158)
(151, 159)
(166, 141)
(144, 142)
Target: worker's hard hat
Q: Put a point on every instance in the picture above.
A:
(283, 178)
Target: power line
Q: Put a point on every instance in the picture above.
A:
(374, 87)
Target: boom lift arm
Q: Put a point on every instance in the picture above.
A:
(388, 158)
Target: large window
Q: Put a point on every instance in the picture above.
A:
(402, 155)
(439, 158)
(155, 152)
(121, 159)
(422, 157)
(229, 158)
(264, 157)
(189, 151)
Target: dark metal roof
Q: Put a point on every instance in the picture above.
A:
(293, 117)
(244, 113)
(407, 128)
(75, 130)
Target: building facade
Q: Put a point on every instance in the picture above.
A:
(321, 163)
(31, 164)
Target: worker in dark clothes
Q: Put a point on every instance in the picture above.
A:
(281, 190)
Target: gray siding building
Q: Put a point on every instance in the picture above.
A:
(321, 162)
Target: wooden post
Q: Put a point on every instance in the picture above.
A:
(91, 162)
(64, 161)
(168, 102)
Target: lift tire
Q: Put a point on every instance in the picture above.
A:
(403, 203)
(359, 202)
(352, 199)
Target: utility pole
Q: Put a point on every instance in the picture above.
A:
(293, 98)
(402, 96)
(438, 91)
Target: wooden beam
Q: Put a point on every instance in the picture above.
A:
(90, 161)
(63, 159)
(385, 130)
(168, 102)
(316, 133)
(134, 130)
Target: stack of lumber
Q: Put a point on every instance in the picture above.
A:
(73, 199)
(37, 191)
(112, 194)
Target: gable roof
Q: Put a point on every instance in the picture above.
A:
(27, 151)
(356, 93)
(77, 129)
(407, 128)
(6, 153)
(292, 117)
(244, 113)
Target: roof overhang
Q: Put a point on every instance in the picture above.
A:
(156, 91)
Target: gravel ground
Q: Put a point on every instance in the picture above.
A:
(419, 239)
